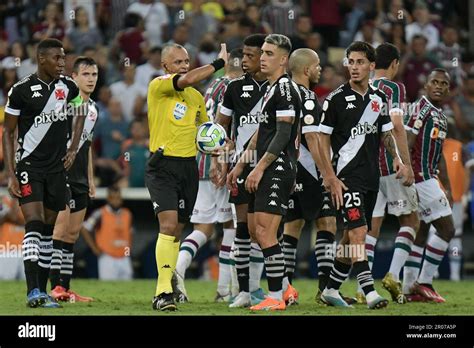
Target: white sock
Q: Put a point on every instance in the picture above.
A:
(370, 250)
(403, 243)
(234, 288)
(188, 250)
(225, 278)
(455, 258)
(434, 253)
(285, 283)
(371, 296)
(411, 268)
(256, 267)
(278, 295)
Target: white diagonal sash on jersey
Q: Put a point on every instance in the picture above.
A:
(307, 161)
(35, 134)
(88, 127)
(246, 131)
(353, 145)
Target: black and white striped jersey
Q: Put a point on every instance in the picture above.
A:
(243, 102)
(43, 130)
(355, 123)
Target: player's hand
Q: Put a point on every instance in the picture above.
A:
(223, 53)
(233, 175)
(336, 187)
(14, 187)
(69, 158)
(226, 149)
(404, 172)
(92, 189)
(253, 179)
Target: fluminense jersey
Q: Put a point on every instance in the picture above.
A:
(282, 99)
(213, 97)
(311, 115)
(355, 123)
(243, 102)
(43, 128)
(78, 173)
(396, 98)
(430, 125)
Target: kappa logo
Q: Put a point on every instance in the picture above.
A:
(245, 95)
(155, 205)
(350, 106)
(36, 95)
(272, 202)
(280, 160)
(275, 187)
(273, 195)
(279, 168)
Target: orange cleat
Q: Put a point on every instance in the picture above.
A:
(59, 293)
(269, 304)
(290, 296)
(75, 297)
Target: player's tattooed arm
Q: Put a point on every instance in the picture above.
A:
(390, 144)
(402, 170)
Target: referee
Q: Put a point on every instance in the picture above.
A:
(175, 110)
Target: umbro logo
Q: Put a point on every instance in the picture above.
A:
(350, 106)
(279, 168)
(36, 95)
(272, 203)
(275, 186)
(245, 95)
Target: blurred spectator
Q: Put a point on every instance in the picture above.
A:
(416, 66)
(135, 155)
(110, 16)
(208, 50)
(103, 97)
(369, 33)
(128, 92)
(397, 37)
(280, 16)
(28, 65)
(180, 36)
(155, 15)
(70, 12)
(199, 22)
(465, 102)
(328, 22)
(330, 80)
(129, 42)
(82, 34)
(8, 77)
(211, 8)
(112, 244)
(151, 69)
(11, 19)
(51, 26)
(352, 16)
(397, 14)
(315, 42)
(302, 31)
(3, 45)
(252, 12)
(422, 26)
(244, 29)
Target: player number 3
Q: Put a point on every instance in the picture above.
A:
(24, 178)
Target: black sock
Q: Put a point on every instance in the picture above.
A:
(46, 250)
(67, 265)
(56, 260)
(324, 251)
(364, 276)
(30, 252)
(274, 267)
(242, 255)
(339, 273)
(290, 244)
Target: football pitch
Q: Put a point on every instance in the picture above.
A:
(134, 298)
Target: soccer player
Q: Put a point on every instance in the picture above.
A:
(352, 125)
(80, 179)
(402, 200)
(212, 203)
(175, 110)
(39, 105)
(427, 129)
(272, 179)
(241, 111)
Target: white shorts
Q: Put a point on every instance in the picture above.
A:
(433, 202)
(212, 204)
(115, 268)
(401, 200)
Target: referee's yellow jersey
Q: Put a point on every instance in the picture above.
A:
(173, 116)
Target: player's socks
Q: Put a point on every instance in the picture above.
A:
(403, 243)
(339, 273)
(256, 266)
(30, 252)
(412, 268)
(165, 253)
(364, 277)
(274, 268)
(45, 253)
(370, 243)
(455, 258)
(225, 278)
(67, 265)
(233, 272)
(188, 250)
(434, 253)
(242, 255)
(290, 244)
(324, 251)
(56, 262)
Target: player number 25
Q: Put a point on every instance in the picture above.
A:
(352, 197)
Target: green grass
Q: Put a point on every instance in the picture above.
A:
(134, 298)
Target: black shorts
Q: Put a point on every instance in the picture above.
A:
(78, 197)
(358, 208)
(49, 188)
(327, 208)
(275, 188)
(173, 184)
(239, 195)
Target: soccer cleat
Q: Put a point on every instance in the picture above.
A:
(378, 303)
(394, 288)
(164, 302)
(360, 298)
(179, 291)
(349, 300)
(221, 298)
(290, 296)
(50, 302)
(59, 293)
(75, 297)
(428, 292)
(36, 298)
(257, 296)
(269, 304)
(333, 298)
(415, 298)
(242, 300)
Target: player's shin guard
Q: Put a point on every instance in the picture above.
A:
(370, 243)
(165, 253)
(255, 267)
(46, 251)
(188, 250)
(339, 273)
(31, 252)
(403, 244)
(290, 244)
(67, 265)
(242, 255)
(225, 278)
(324, 251)
(412, 268)
(56, 262)
(364, 276)
(434, 253)
(274, 268)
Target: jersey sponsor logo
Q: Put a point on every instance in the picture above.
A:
(247, 88)
(253, 119)
(36, 95)
(360, 129)
(350, 98)
(245, 95)
(179, 111)
(375, 106)
(353, 214)
(60, 94)
(437, 134)
(36, 88)
(49, 118)
(350, 106)
(285, 88)
(26, 190)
